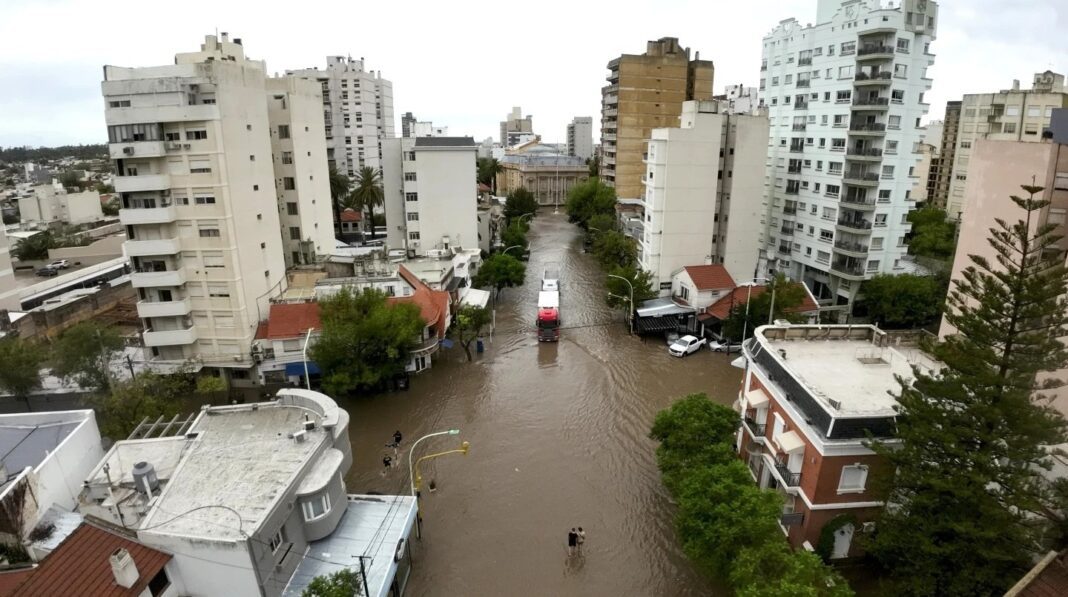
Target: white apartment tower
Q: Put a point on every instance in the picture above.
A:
(9, 291)
(580, 137)
(357, 112)
(301, 174)
(845, 98)
(430, 186)
(703, 187)
(191, 143)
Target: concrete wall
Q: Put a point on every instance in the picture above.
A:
(393, 189)
(98, 251)
(9, 292)
(447, 205)
(50, 323)
(741, 202)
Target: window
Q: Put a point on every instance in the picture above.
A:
(823, 256)
(880, 220)
(891, 147)
(283, 131)
(316, 507)
(788, 80)
(832, 190)
(218, 291)
(204, 200)
(854, 478)
(902, 45)
(897, 96)
(294, 233)
(199, 166)
(1010, 127)
(848, 48)
(843, 97)
(840, 120)
(884, 195)
(413, 236)
(213, 259)
(411, 196)
(413, 216)
(834, 167)
(287, 157)
(209, 233)
(1030, 129)
(1012, 110)
(894, 122)
(826, 235)
(159, 583)
(888, 171)
(775, 80)
(289, 183)
(411, 156)
(119, 104)
(1034, 111)
(845, 72)
(901, 70)
(873, 265)
(838, 144)
(409, 176)
(198, 135)
(1056, 215)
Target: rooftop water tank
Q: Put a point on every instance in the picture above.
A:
(144, 476)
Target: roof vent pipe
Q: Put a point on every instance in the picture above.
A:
(124, 568)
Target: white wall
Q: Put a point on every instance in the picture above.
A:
(202, 567)
(393, 191)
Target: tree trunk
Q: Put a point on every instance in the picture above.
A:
(467, 349)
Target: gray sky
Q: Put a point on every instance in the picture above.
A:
(462, 64)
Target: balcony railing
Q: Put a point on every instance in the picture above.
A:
(867, 126)
(865, 179)
(854, 224)
(851, 247)
(426, 347)
(792, 190)
(803, 83)
(869, 50)
(784, 250)
(755, 428)
(871, 101)
(880, 77)
(846, 269)
(797, 149)
(867, 153)
(789, 210)
(801, 105)
(799, 127)
(790, 479)
(859, 201)
(804, 61)
(786, 231)
(794, 170)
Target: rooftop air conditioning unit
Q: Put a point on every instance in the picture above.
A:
(299, 437)
(127, 150)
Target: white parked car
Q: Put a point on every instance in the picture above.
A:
(59, 264)
(717, 346)
(685, 345)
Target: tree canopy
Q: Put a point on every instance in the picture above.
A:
(969, 498)
(614, 248)
(500, 271)
(148, 395)
(20, 366)
(343, 583)
(367, 193)
(34, 247)
(488, 169)
(520, 203)
(365, 341)
(83, 354)
(640, 280)
(515, 234)
(788, 296)
(902, 302)
(588, 199)
(468, 324)
(932, 234)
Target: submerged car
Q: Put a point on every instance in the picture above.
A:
(47, 272)
(717, 346)
(685, 345)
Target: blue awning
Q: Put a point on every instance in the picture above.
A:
(297, 369)
(446, 343)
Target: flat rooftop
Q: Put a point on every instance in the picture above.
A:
(850, 377)
(26, 440)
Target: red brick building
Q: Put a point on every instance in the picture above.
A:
(810, 397)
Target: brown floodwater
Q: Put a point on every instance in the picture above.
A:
(559, 439)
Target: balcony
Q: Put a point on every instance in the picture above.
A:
(803, 83)
(794, 170)
(792, 190)
(865, 154)
(861, 179)
(800, 105)
(797, 149)
(867, 128)
(799, 127)
(611, 112)
(194, 113)
(789, 479)
(851, 249)
(871, 103)
(864, 203)
(854, 226)
(756, 429)
(426, 347)
(157, 279)
(142, 183)
(804, 62)
(785, 231)
(609, 136)
(875, 52)
(147, 248)
(848, 270)
(789, 211)
(148, 215)
(878, 78)
(136, 149)
(784, 250)
(179, 337)
(763, 66)
(147, 309)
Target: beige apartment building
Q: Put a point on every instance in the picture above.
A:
(998, 168)
(644, 92)
(942, 167)
(301, 174)
(192, 144)
(515, 126)
(1009, 115)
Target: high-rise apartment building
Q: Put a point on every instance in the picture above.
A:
(302, 177)
(430, 192)
(644, 92)
(1009, 115)
(357, 110)
(845, 97)
(739, 99)
(9, 292)
(703, 186)
(513, 127)
(580, 137)
(925, 174)
(192, 146)
(407, 120)
(946, 151)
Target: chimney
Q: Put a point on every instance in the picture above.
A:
(1015, 84)
(124, 569)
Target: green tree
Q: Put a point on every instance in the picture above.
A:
(34, 247)
(83, 354)
(212, 386)
(365, 340)
(520, 203)
(339, 192)
(614, 248)
(343, 583)
(515, 234)
(600, 223)
(640, 280)
(588, 199)
(468, 323)
(788, 296)
(111, 207)
(368, 193)
(71, 180)
(595, 166)
(488, 169)
(932, 234)
(773, 569)
(104, 189)
(149, 395)
(694, 432)
(500, 271)
(901, 302)
(20, 367)
(968, 493)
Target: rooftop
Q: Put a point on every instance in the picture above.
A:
(710, 277)
(27, 440)
(445, 142)
(291, 320)
(721, 309)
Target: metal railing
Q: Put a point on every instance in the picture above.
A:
(799, 127)
(755, 428)
(867, 126)
(868, 50)
(858, 200)
(804, 61)
(790, 479)
(797, 149)
(854, 247)
(845, 268)
(789, 210)
(868, 152)
(871, 101)
(857, 224)
(803, 83)
(879, 76)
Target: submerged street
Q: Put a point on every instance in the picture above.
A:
(559, 439)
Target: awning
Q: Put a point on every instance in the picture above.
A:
(738, 363)
(756, 398)
(476, 297)
(660, 307)
(790, 441)
(297, 369)
(656, 324)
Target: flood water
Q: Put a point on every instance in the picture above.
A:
(559, 439)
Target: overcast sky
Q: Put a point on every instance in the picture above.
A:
(462, 64)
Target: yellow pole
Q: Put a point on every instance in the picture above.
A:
(418, 481)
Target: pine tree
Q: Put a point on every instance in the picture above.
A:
(965, 506)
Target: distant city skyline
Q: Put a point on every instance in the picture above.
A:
(463, 69)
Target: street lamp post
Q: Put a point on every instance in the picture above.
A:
(510, 248)
(749, 294)
(411, 478)
(630, 316)
(304, 353)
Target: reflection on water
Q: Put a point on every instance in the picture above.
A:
(559, 438)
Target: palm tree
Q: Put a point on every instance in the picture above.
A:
(368, 194)
(339, 191)
(488, 169)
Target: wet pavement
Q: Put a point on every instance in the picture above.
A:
(559, 439)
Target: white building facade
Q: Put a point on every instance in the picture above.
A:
(430, 192)
(301, 174)
(703, 188)
(192, 145)
(845, 98)
(741, 99)
(580, 137)
(357, 112)
(52, 203)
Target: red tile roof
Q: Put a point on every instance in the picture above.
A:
(351, 215)
(710, 277)
(722, 308)
(11, 579)
(1049, 578)
(484, 188)
(433, 304)
(291, 320)
(81, 566)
